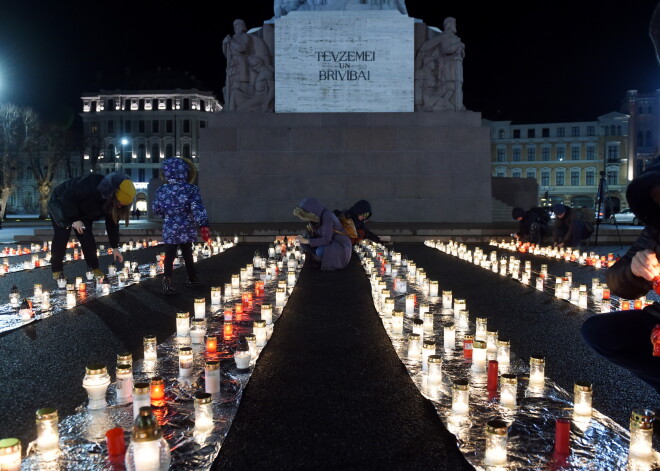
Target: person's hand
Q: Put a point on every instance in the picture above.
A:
(645, 265)
(78, 226)
(206, 235)
(302, 240)
(117, 256)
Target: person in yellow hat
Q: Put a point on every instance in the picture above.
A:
(79, 201)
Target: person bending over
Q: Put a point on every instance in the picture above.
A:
(359, 214)
(533, 224)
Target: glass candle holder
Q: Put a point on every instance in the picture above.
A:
(496, 441)
(460, 396)
(235, 282)
(481, 326)
(259, 331)
(198, 331)
(243, 275)
(38, 291)
(150, 343)
(401, 285)
(157, 390)
(148, 449)
(508, 390)
(410, 304)
(434, 365)
(449, 339)
(228, 315)
(211, 343)
(582, 396)
(200, 308)
(459, 305)
(96, 382)
(216, 296)
(229, 291)
(61, 282)
(141, 397)
(153, 270)
(79, 279)
(251, 341)
(447, 300)
(388, 307)
(428, 349)
(45, 301)
(291, 278)
(397, 322)
(136, 276)
(185, 361)
(182, 324)
(203, 411)
(212, 376)
(10, 454)
(414, 345)
(428, 322)
(280, 296)
(121, 280)
(536, 371)
(112, 270)
(418, 327)
(384, 294)
(641, 433)
(124, 358)
(539, 283)
(491, 340)
(503, 352)
(479, 356)
(464, 319)
(124, 383)
(70, 298)
(48, 437)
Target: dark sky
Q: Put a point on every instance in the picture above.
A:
(545, 61)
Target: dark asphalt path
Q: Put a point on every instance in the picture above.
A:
(536, 322)
(329, 391)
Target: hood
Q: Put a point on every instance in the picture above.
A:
(643, 201)
(177, 170)
(361, 207)
(110, 183)
(313, 206)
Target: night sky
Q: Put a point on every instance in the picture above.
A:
(543, 62)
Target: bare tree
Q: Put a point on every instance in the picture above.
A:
(18, 132)
(49, 153)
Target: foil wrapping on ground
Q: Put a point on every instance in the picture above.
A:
(82, 435)
(597, 442)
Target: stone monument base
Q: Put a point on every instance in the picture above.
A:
(412, 167)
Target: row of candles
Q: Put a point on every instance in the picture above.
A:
(477, 349)
(148, 449)
(591, 259)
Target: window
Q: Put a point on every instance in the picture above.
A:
(648, 141)
(545, 154)
(500, 173)
(618, 130)
(560, 132)
(575, 153)
(154, 173)
(141, 126)
(154, 126)
(127, 126)
(186, 103)
(516, 133)
(141, 175)
(111, 151)
(531, 154)
(531, 133)
(94, 129)
(575, 131)
(545, 178)
(640, 139)
(575, 178)
(612, 177)
(186, 125)
(127, 149)
(591, 153)
(111, 127)
(501, 155)
(155, 154)
(612, 130)
(142, 154)
(516, 155)
(515, 173)
(531, 174)
(591, 130)
(559, 178)
(590, 178)
(128, 172)
(545, 132)
(500, 133)
(561, 153)
(169, 151)
(169, 126)
(202, 124)
(612, 153)
(186, 151)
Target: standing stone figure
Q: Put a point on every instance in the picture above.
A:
(246, 76)
(282, 7)
(452, 52)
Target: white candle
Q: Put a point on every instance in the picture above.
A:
(242, 359)
(182, 324)
(96, 382)
(388, 307)
(447, 300)
(536, 371)
(216, 296)
(70, 299)
(280, 297)
(449, 340)
(45, 301)
(200, 308)
(150, 348)
(198, 331)
(259, 331)
(460, 397)
(508, 390)
(185, 361)
(459, 305)
(496, 440)
(203, 411)
(428, 349)
(503, 352)
(539, 283)
(212, 377)
(10, 454)
(491, 340)
(641, 433)
(48, 437)
(141, 397)
(124, 383)
(414, 346)
(479, 356)
(428, 322)
(481, 324)
(397, 322)
(147, 455)
(410, 304)
(434, 365)
(464, 319)
(267, 313)
(582, 396)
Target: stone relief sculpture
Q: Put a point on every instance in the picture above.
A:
(249, 84)
(282, 7)
(439, 71)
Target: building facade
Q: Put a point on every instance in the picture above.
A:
(566, 159)
(644, 128)
(134, 131)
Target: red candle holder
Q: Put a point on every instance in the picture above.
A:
(638, 304)
(468, 342)
(211, 344)
(606, 293)
(625, 305)
(238, 308)
(82, 287)
(116, 442)
(157, 391)
(228, 331)
(492, 375)
(562, 436)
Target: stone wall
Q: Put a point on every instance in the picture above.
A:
(522, 192)
(412, 167)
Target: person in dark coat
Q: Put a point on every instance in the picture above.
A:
(360, 213)
(327, 242)
(79, 201)
(628, 338)
(570, 226)
(533, 224)
(179, 203)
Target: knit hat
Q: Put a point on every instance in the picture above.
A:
(517, 213)
(125, 193)
(558, 209)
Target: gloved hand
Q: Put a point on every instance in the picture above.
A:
(206, 234)
(655, 340)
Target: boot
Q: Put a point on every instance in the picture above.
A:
(168, 288)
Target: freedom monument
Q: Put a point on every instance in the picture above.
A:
(345, 100)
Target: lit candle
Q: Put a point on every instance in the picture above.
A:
(48, 437)
(480, 329)
(216, 296)
(479, 356)
(38, 290)
(124, 383)
(243, 276)
(242, 359)
(182, 324)
(212, 376)
(464, 319)
(641, 432)
(582, 394)
(203, 411)
(449, 340)
(491, 340)
(434, 365)
(121, 280)
(460, 396)
(388, 307)
(401, 285)
(539, 283)
(10, 454)
(150, 343)
(508, 390)
(414, 345)
(291, 278)
(70, 298)
(384, 295)
(235, 282)
(136, 276)
(45, 301)
(200, 308)
(61, 282)
(503, 352)
(536, 371)
(459, 305)
(185, 361)
(112, 270)
(280, 296)
(428, 322)
(124, 358)
(410, 304)
(397, 322)
(96, 382)
(148, 450)
(496, 440)
(433, 289)
(418, 327)
(79, 279)
(141, 397)
(229, 291)
(259, 331)
(153, 270)
(447, 300)
(198, 331)
(157, 386)
(428, 349)
(251, 341)
(211, 344)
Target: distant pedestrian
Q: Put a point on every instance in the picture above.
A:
(137, 213)
(179, 203)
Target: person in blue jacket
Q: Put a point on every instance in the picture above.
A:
(179, 203)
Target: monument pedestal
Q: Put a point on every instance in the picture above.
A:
(412, 167)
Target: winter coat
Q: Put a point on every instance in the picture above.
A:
(327, 232)
(179, 203)
(362, 207)
(85, 199)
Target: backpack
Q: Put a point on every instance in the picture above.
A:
(348, 225)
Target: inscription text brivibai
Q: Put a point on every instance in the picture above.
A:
(344, 59)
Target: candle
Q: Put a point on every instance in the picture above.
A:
(539, 283)
(229, 292)
(492, 376)
(157, 387)
(153, 270)
(536, 371)
(48, 437)
(464, 319)
(212, 376)
(468, 342)
(10, 454)
(216, 296)
(79, 279)
(235, 282)
(388, 307)
(61, 282)
(96, 382)
(397, 322)
(418, 327)
(503, 352)
(124, 383)
(211, 344)
(460, 396)
(124, 358)
(198, 331)
(70, 298)
(562, 436)
(449, 340)
(479, 356)
(148, 450)
(434, 365)
(38, 290)
(141, 397)
(582, 394)
(496, 440)
(251, 341)
(428, 349)
(291, 278)
(203, 411)
(428, 322)
(508, 390)
(447, 301)
(150, 348)
(45, 301)
(228, 315)
(401, 285)
(112, 270)
(200, 308)
(480, 329)
(185, 361)
(259, 331)
(182, 324)
(641, 432)
(433, 289)
(121, 280)
(459, 305)
(410, 304)
(242, 359)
